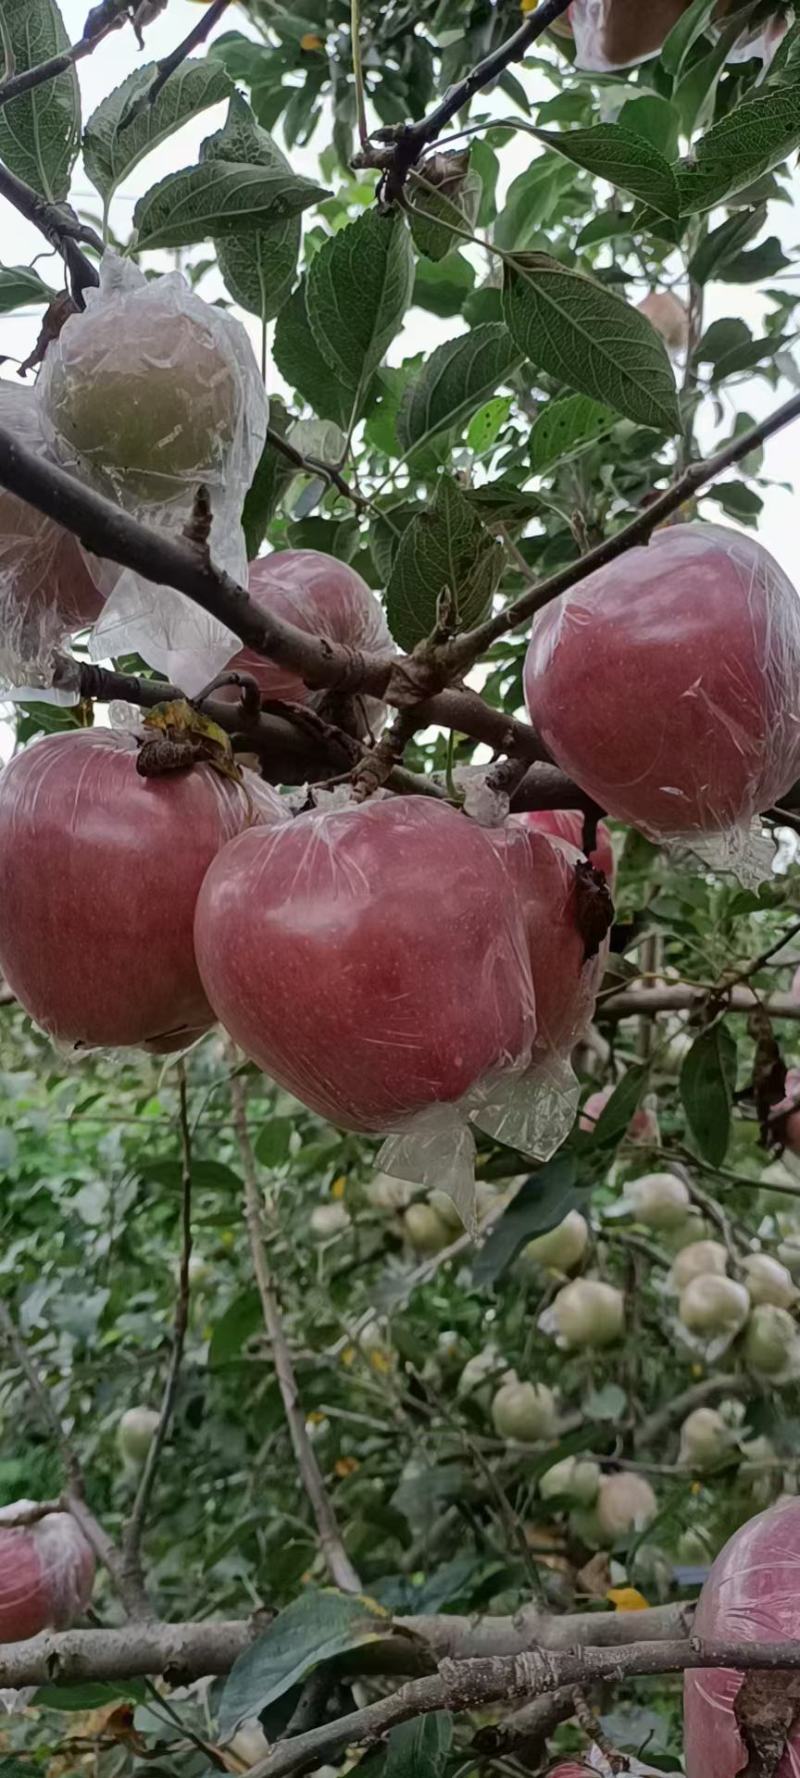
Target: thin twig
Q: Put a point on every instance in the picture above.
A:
(132, 1536)
(170, 63)
(314, 465)
(338, 1563)
(114, 16)
(61, 228)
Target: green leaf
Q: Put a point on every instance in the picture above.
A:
(436, 215)
(272, 1142)
(689, 27)
(313, 1628)
(707, 1082)
(722, 242)
(616, 1115)
(359, 287)
(419, 1749)
(219, 198)
(738, 501)
(756, 136)
(654, 119)
(455, 380)
(540, 1204)
(39, 131)
(442, 286)
(444, 549)
(761, 262)
(567, 427)
(623, 158)
(241, 1320)
(302, 365)
(531, 201)
(20, 285)
(110, 152)
(270, 482)
(258, 269)
(485, 427)
(590, 339)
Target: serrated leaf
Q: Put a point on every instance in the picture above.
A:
(590, 339)
(566, 427)
(756, 136)
(445, 549)
(540, 1205)
(219, 198)
(257, 268)
(270, 482)
(302, 365)
(437, 217)
(314, 1628)
(707, 1082)
(419, 1749)
(39, 131)
(20, 284)
(110, 153)
(626, 160)
(456, 379)
(359, 287)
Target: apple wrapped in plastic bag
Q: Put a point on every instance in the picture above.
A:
(48, 584)
(46, 1572)
(147, 395)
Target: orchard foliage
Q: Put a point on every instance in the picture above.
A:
(300, 1396)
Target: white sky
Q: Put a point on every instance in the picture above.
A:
(118, 55)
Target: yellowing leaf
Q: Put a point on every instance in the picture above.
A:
(345, 1466)
(338, 1187)
(627, 1599)
(310, 40)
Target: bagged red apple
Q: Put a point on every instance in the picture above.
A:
(374, 960)
(147, 394)
(667, 684)
(100, 869)
(46, 1573)
(751, 1595)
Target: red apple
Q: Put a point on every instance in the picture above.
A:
(46, 1574)
(99, 874)
(320, 595)
(667, 684)
(565, 984)
(370, 959)
(567, 824)
(750, 1595)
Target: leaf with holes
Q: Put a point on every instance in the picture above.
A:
(219, 198)
(578, 331)
(258, 269)
(455, 380)
(567, 427)
(39, 131)
(707, 1082)
(359, 287)
(756, 136)
(445, 549)
(625, 159)
(111, 150)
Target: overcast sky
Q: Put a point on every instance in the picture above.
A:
(115, 58)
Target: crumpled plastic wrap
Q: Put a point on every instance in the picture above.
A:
(752, 1594)
(47, 584)
(615, 34)
(146, 395)
(46, 1573)
(99, 874)
(667, 685)
(324, 597)
(375, 962)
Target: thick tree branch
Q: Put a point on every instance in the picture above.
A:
(459, 655)
(648, 1002)
(132, 1536)
(109, 18)
(183, 1652)
(339, 1566)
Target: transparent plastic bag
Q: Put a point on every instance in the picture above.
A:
(613, 34)
(374, 961)
(146, 395)
(99, 874)
(48, 586)
(324, 597)
(46, 1573)
(667, 685)
(751, 1595)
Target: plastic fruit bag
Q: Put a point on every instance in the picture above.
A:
(147, 395)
